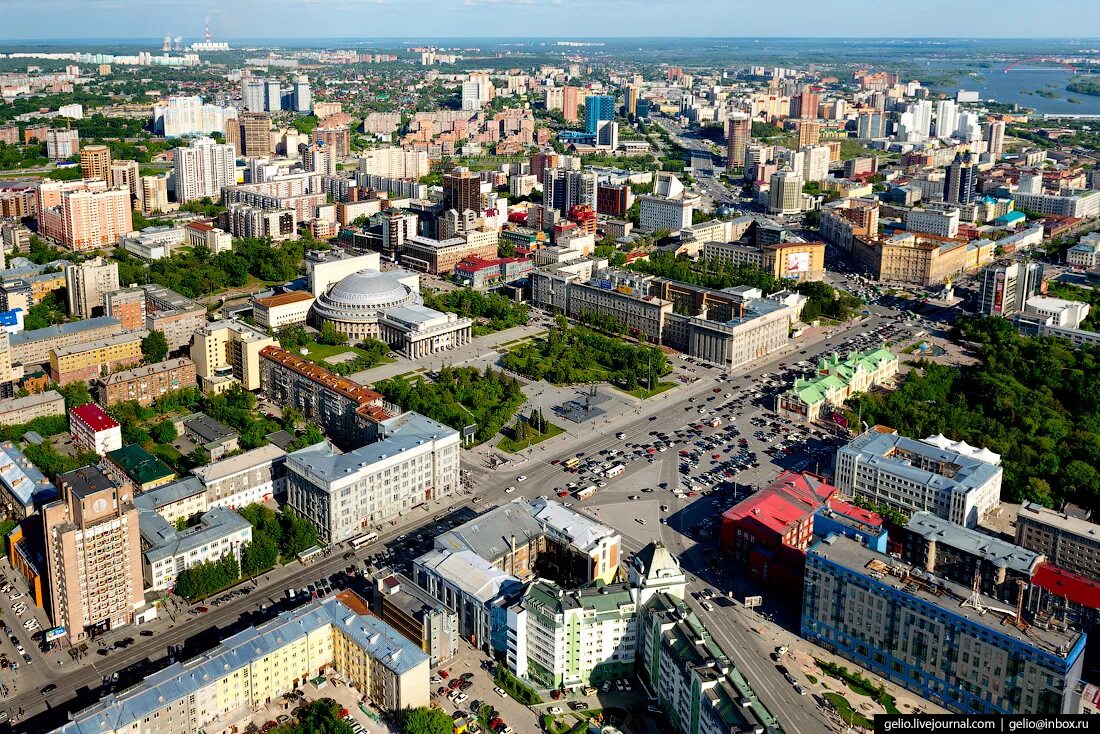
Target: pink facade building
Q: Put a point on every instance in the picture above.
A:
(84, 215)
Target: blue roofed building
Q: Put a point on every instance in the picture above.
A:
(23, 488)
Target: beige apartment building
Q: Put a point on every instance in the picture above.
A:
(227, 353)
(93, 554)
(87, 285)
(90, 360)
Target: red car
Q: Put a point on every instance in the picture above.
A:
(443, 674)
(496, 723)
(455, 683)
(202, 610)
(717, 389)
(555, 461)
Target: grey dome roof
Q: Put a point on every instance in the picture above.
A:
(369, 288)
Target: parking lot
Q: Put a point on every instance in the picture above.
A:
(476, 689)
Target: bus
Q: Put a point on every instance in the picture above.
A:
(614, 471)
(571, 462)
(586, 492)
(362, 540)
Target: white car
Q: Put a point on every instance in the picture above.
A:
(521, 478)
(461, 697)
(500, 692)
(510, 490)
(30, 624)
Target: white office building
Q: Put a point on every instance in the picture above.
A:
(180, 116)
(253, 476)
(940, 222)
(413, 461)
(952, 480)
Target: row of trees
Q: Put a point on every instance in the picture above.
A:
(208, 577)
(571, 355)
(1033, 401)
(284, 531)
(458, 397)
(493, 311)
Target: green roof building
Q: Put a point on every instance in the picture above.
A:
(135, 464)
(696, 683)
(837, 380)
(573, 638)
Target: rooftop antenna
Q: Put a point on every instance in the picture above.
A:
(206, 31)
(975, 600)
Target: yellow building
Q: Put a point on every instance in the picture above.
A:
(227, 353)
(906, 257)
(848, 189)
(93, 359)
(219, 689)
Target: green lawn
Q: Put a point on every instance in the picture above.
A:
(318, 353)
(641, 392)
(846, 711)
(514, 447)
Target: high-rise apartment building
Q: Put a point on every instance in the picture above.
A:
(738, 132)
(154, 193)
(471, 96)
(960, 183)
(190, 116)
(273, 95)
(88, 284)
(336, 139)
(93, 554)
(84, 215)
(569, 103)
(127, 175)
(203, 168)
(563, 189)
(95, 162)
(462, 191)
(303, 97)
(253, 91)
(815, 162)
(632, 100)
(808, 101)
(809, 133)
(256, 134)
(993, 132)
(62, 144)
(947, 118)
(870, 124)
(598, 107)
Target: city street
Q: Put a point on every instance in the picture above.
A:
(666, 411)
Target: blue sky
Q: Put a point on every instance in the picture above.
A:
(544, 18)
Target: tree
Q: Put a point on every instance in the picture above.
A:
(75, 394)
(154, 347)
(260, 555)
(426, 720)
(164, 432)
(291, 336)
(330, 336)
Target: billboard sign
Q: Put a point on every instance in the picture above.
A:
(999, 293)
(798, 262)
(53, 634)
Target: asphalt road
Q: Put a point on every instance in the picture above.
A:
(489, 487)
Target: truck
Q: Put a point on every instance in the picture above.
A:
(614, 471)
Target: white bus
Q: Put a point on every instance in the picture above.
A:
(614, 471)
(362, 540)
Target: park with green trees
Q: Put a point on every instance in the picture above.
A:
(490, 311)
(1032, 400)
(458, 397)
(571, 355)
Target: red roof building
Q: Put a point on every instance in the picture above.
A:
(94, 430)
(1058, 594)
(770, 531)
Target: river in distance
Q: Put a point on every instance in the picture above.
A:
(1020, 86)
